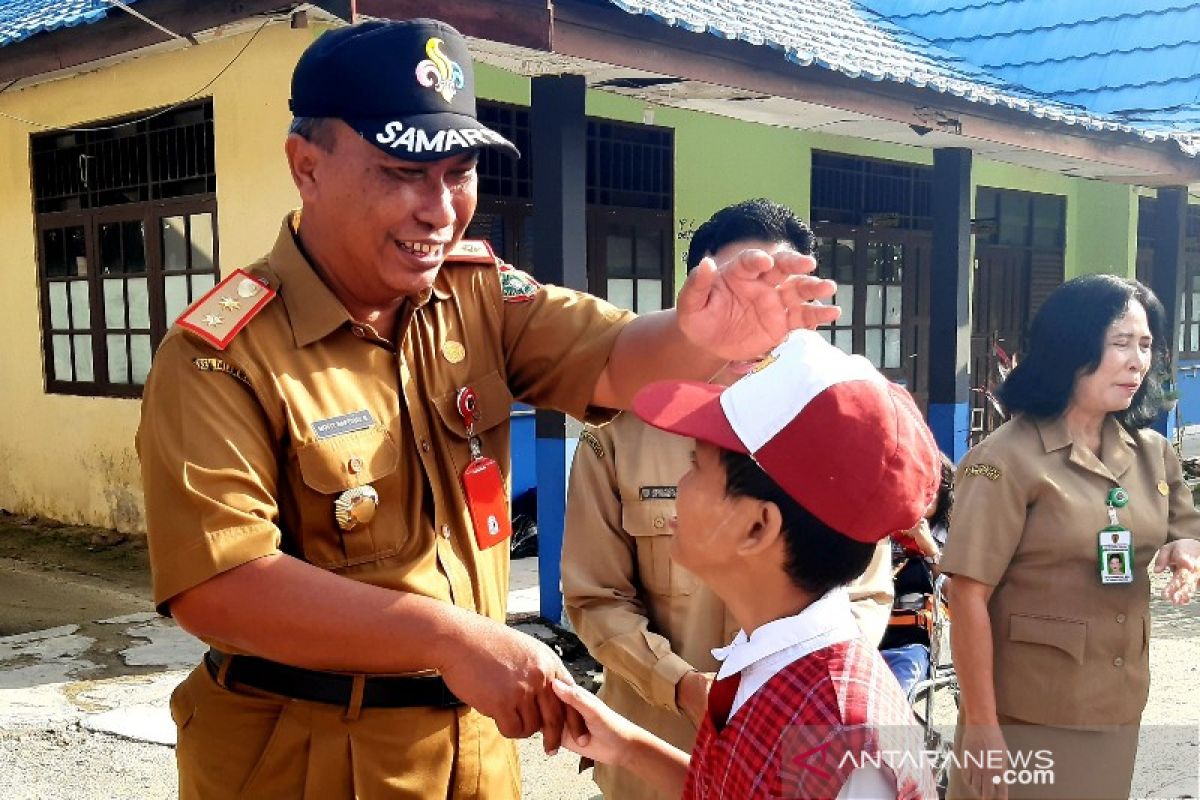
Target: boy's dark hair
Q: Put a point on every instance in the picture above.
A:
(818, 557)
(751, 219)
(1066, 339)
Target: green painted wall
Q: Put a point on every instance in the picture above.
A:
(719, 161)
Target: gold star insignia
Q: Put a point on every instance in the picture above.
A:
(229, 304)
(212, 320)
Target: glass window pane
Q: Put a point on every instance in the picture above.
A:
(58, 305)
(139, 357)
(893, 306)
(133, 235)
(83, 358)
(825, 258)
(874, 309)
(649, 256)
(649, 295)
(874, 352)
(176, 294)
(118, 359)
(619, 251)
(844, 339)
(76, 251)
(201, 284)
(110, 249)
(114, 303)
(1195, 345)
(81, 311)
(620, 292)
(174, 243)
(827, 335)
(844, 262)
(876, 255)
(139, 304)
(61, 353)
(845, 299)
(202, 241)
(54, 252)
(891, 348)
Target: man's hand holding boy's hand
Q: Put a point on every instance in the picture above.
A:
(691, 694)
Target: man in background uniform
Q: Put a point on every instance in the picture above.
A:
(647, 620)
(324, 446)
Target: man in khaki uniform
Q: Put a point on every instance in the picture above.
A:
(315, 440)
(648, 621)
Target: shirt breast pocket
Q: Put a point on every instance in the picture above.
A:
(493, 406)
(648, 523)
(330, 467)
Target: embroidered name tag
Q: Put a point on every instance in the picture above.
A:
(219, 365)
(346, 423)
(658, 492)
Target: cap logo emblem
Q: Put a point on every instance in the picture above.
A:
(440, 73)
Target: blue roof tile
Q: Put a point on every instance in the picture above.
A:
(20, 19)
(1137, 61)
(917, 42)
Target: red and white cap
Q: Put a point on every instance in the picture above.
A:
(842, 440)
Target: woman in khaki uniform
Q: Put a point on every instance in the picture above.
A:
(650, 622)
(1048, 642)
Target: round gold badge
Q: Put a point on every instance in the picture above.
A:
(454, 351)
(1163, 489)
(355, 507)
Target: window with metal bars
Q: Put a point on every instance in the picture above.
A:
(127, 239)
(1189, 301)
(848, 190)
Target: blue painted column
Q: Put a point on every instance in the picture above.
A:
(558, 130)
(1169, 227)
(949, 301)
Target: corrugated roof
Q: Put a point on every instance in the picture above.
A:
(850, 37)
(20, 19)
(1137, 60)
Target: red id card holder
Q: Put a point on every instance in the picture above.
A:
(483, 484)
(486, 502)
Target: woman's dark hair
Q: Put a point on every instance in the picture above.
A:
(1066, 340)
(751, 219)
(818, 557)
(945, 495)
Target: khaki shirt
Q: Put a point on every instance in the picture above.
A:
(234, 467)
(646, 619)
(1029, 507)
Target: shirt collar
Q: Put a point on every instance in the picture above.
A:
(822, 623)
(313, 309)
(1116, 454)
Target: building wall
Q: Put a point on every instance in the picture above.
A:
(72, 458)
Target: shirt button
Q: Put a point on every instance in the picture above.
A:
(445, 531)
(355, 465)
(659, 522)
(424, 445)
(1120, 618)
(1118, 661)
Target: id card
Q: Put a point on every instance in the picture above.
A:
(486, 503)
(1115, 553)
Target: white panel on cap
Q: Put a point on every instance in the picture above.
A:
(762, 403)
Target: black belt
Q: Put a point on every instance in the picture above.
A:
(331, 687)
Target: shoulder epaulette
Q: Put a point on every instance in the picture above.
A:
(219, 315)
(472, 251)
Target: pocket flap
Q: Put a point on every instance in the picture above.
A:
(494, 405)
(1068, 635)
(647, 518)
(344, 462)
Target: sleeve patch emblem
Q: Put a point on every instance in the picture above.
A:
(517, 286)
(983, 470)
(590, 439)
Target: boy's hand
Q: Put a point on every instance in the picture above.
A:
(609, 735)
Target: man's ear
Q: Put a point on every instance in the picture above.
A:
(764, 532)
(303, 157)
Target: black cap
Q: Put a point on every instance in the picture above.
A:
(406, 87)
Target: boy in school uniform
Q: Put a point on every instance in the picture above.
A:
(799, 470)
